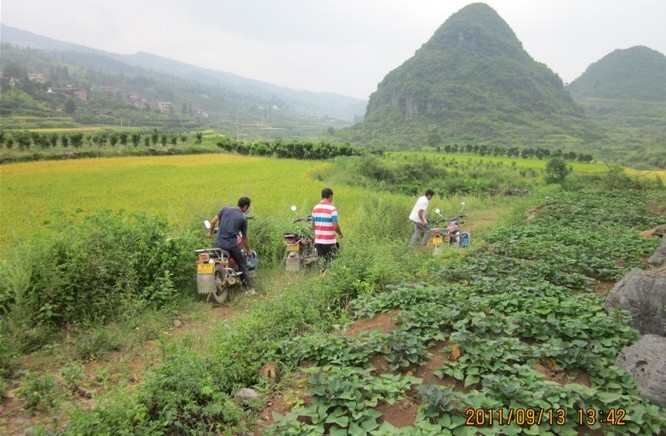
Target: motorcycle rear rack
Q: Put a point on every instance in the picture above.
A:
(214, 253)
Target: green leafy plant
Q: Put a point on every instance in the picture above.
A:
(39, 390)
(404, 349)
(342, 402)
(73, 376)
(438, 402)
(330, 349)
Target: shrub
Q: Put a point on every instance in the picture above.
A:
(90, 272)
(188, 391)
(9, 359)
(556, 170)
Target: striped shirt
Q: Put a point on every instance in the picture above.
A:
(323, 216)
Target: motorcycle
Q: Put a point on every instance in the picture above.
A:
(300, 247)
(451, 233)
(218, 272)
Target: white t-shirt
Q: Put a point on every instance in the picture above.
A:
(421, 204)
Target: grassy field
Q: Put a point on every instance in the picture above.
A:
(578, 167)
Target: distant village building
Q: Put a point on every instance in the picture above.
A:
(165, 107)
(37, 77)
(138, 101)
(110, 89)
(144, 103)
(78, 93)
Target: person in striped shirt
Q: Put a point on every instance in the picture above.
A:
(326, 225)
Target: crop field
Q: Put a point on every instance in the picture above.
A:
(181, 189)
(577, 167)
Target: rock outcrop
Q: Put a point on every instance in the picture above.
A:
(659, 256)
(643, 294)
(646, 362)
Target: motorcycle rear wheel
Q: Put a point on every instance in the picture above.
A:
(221, 289)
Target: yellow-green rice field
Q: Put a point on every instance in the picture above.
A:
(182, 189)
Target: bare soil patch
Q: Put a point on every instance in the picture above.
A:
(382, 322)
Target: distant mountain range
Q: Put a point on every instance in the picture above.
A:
(625, 92)
(472, 82)
(229, 96)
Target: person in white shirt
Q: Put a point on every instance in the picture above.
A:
(418, 218)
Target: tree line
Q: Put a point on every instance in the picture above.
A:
(294, 149)
(24, 140)
(524, 152)
(280, 148)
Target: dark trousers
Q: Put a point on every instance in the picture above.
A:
(327, 252)
(239, 257)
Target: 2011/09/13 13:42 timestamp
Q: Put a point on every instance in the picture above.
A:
(536, 416)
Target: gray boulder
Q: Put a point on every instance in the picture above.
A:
(246, 395)
(643, 294)
(646, 362)
(659, 255)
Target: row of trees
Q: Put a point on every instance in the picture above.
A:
(293, 149)
(23, 140)
(298, 149)
(524, 152)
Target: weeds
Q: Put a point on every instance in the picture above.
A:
(39, 390)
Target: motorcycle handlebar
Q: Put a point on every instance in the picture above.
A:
(309, 220)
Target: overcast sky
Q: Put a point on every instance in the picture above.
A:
(340, 46)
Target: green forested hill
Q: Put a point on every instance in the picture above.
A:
(474, 82)
(637, 73)
(625, 92)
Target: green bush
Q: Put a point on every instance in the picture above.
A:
(617, 178)
(123, 416)
(556, 170)
(90, 272)
(3, 389)
(188, 391)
